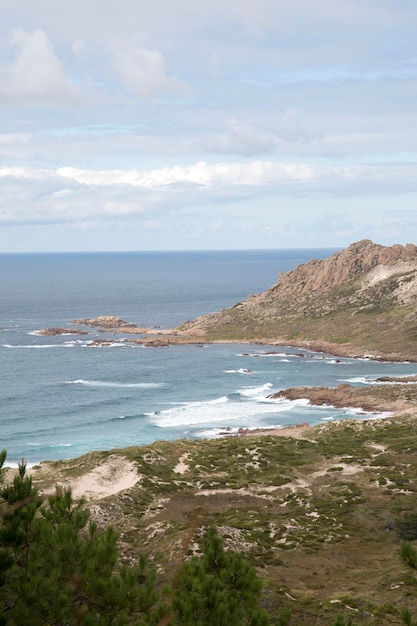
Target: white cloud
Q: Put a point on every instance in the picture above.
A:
(142, 70)
(348, 179)
(35, 75)
(201, 174)
(70, 194)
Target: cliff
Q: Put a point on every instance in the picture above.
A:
(359, 258)
(360, 300)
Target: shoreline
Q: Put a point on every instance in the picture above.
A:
(113, 472)
(116, 473)
(369, 399)
(372, 408)
(164, 338)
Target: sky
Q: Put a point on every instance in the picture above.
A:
(228, 124)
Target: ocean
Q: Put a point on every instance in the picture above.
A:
(60, 397)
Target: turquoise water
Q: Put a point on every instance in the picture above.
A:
(60, 398)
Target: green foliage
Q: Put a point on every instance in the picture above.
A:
(218, 589)
(407, 619)
(343, 621)
(58, 568)
(406, 526)
(408, 554)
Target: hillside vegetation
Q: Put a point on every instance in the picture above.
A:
(317, 514)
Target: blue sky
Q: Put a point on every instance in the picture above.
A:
(132, 125)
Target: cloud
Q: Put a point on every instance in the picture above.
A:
(142, 70)
(70, 194)
(35, 75)
(201, 174)
(345, 179)
(245, 139)
(193, 112)
(240, 138)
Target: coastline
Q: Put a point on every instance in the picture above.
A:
(101, 475)
(157, 338)
(113, 475)
(376, 399)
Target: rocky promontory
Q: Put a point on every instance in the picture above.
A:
(369, 398)
(360, 301)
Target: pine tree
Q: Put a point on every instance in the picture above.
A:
(342, 621)
(408, 555)
(57, 568)
(218, 589)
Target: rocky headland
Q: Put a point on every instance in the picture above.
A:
(369, 398)
(359, 302)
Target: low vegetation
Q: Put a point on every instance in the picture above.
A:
(320, 517)
(57, 567)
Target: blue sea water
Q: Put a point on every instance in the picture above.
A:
(60, 397)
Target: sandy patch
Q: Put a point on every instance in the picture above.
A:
(298, 430)
(181, 467)
(115, 474)
(253, 492)
(407, 289)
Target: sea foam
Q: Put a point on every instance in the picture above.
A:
(102, 383)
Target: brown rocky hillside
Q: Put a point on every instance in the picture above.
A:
(361, 300)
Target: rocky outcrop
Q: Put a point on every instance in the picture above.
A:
(360, 275)
(320, 276)
(106, 323)
(60, 331)
(371, 398)
(402, 380)
(359, 301)
(109, 322)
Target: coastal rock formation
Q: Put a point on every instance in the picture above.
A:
(61, 331)
(106, 323)
(360, 301)
(379, 398)
(109, 322)
(321, 276)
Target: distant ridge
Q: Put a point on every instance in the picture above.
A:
(320, 276)
(360, 299)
